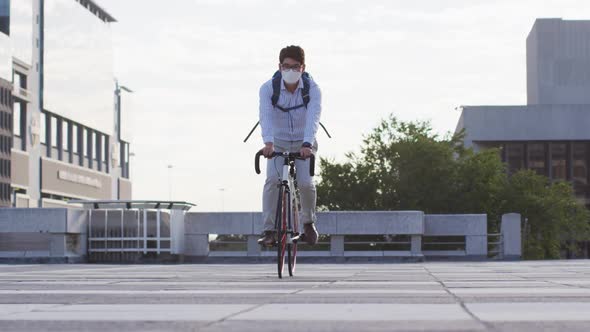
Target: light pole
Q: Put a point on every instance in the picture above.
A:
(118, 90)
(117, 154)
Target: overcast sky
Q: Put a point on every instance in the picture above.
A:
(197, 65)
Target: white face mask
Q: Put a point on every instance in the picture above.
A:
(290, 76)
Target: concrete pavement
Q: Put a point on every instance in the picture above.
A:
(494, 296)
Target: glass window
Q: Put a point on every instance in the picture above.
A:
(43, 128)
(103, 148)
(84, 140)
(580, 165)
(16, 119)
(64, 133)
(93, 143)
(75, 138)
(16, 79)
(558, 162)
(580, 162)
(54, 130)
(537, 158)
(515, 156)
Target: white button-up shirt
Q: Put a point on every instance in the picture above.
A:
(300, 124)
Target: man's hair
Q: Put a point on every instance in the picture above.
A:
(294, 52)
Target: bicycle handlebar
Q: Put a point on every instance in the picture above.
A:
(295, 155)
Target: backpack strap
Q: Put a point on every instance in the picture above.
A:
(276, 88)
(306, 85)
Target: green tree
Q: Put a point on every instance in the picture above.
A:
(553, 219)
(405, 166)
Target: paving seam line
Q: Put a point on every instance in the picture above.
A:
(56, 305)
(272, 301)
(487, 325)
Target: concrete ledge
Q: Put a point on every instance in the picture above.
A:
(24, 220)
(302, 259)
(334, 223)
(43, 235)
(455, 224)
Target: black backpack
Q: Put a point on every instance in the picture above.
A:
(276, 91)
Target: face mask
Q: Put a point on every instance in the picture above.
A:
(290, 76)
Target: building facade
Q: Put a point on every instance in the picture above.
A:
(551, 134)
(64, 141)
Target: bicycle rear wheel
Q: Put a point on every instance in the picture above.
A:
(281, 231)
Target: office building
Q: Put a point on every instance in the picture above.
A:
(60, 137)
(551, 134)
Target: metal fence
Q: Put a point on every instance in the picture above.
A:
(123, 231)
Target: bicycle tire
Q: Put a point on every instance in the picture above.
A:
(292, 247)
(281, 232)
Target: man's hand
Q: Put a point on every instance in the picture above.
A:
(268, 150)
(305, 152)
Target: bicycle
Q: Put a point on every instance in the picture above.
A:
(287, 216)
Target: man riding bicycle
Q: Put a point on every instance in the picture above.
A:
(289, 118)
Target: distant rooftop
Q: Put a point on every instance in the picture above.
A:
(97, 10)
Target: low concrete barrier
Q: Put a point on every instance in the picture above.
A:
(199, 225)
(473, 226)
(61, 235)
(43, 235)
(511, 236)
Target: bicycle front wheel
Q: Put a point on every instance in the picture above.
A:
(282, 213)
(292, 246)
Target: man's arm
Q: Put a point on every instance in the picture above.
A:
(314, 111)
(265, 114)
(265, 118)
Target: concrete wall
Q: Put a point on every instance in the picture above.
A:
(338, 224)
(125, 189)
(20, 163)
(521, 123)
(67, 185)
(558, 62)
(5, 57)
(473, 226)
(43, 234)
(511, 236)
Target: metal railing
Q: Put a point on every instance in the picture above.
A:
(130, 230)
(123, 238)
(495, 245)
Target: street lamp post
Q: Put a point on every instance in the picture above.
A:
(117, 155)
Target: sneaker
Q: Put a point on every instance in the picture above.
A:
(310, 233)
(269, 239)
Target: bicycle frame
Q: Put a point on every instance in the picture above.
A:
(289, 185)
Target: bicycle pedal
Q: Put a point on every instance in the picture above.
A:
(296, 238)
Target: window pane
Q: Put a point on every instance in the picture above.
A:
(558, 164)
(537, 158)
(580, 161)
(64, 126)
(84, 140)
(54, 131)
(93, 143)
(75, 138)
(42, 129)
(16, 119)
(515, 156)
